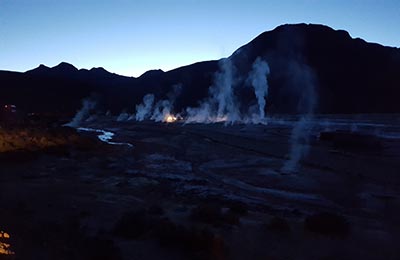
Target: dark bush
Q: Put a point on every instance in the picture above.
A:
(212, 214)
(230, 218)
(134, 224)
(155, 210)
(95, 248)
(327, 224)
(207, 213)
(238, 208)
(279, 225)
(198, 243)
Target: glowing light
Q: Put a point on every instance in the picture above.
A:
(4, 235)
(5, 247)
(170, 118)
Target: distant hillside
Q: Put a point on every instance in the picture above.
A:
(348, 75)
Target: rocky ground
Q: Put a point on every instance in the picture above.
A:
(200, 192)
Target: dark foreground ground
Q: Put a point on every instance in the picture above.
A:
(203, 192)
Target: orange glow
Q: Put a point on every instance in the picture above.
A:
(5, 247)
(4, 235)
(170, 118)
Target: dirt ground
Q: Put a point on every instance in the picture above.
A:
(201, 192)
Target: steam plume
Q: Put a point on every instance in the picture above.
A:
(222, 91)
(221, 104)
(161, 110)
(83, 113)
(258, 78)
(304, 81)
(299, 142)
(143, 110)
(123, 117)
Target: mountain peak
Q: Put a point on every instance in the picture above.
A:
(306, 26)
(99, 70)
(340, 68)
(39, 70)
(64, 66)
(152, 73)
(42, 66)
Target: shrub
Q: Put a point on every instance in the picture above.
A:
(133, 224)
(327, 224)
(279, 225)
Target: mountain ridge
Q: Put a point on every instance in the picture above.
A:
(351, 76)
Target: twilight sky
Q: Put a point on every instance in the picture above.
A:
(131, 37)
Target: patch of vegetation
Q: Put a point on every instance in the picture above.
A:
(238, 208)
(278, 225)
(134, 224)
(195, 242)
(98, 248)
(329, 224)
(212, 214)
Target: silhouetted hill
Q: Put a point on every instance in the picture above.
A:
(349, 76)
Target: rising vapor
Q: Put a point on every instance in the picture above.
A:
(83, 113)
(258, 79)
(222, 105)
(143, 111)
(304, 84)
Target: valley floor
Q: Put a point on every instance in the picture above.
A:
(204, 192)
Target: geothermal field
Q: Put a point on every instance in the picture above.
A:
(279, 151)
(148, 190)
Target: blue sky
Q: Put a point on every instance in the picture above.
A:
(131, 37)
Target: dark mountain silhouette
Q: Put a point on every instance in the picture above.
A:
(349, 75)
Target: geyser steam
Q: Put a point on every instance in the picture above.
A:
(222, 92)
(304, 82)
(123, 116)
(258, 78)
(143, 111)
(221, 103)
(83, 113)
(299, 144)
(163, 108)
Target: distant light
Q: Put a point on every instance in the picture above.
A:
(170, 119)
(5, 247)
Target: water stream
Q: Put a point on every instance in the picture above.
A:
(104, 136)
